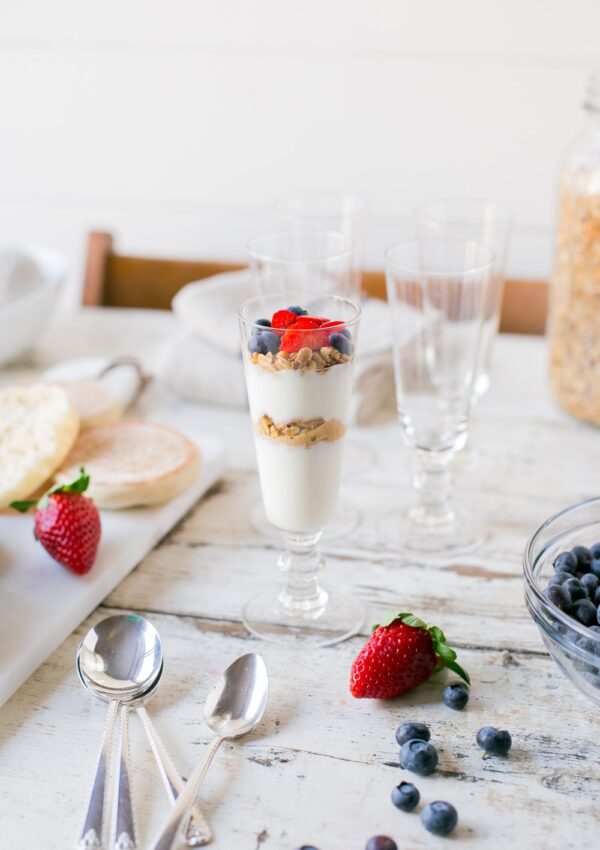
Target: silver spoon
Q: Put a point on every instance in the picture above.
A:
(233, 708)
(198, 832)
(121, 656)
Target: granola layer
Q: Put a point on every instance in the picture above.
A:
(305, 360)
(301, 432)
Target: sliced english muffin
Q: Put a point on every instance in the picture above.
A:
(133, 463)
(38, 426)
(94, 400)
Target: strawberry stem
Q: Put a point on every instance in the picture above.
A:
(80, 485)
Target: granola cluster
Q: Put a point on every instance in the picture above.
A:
(575, 319)
(302, 432)
(304, 360)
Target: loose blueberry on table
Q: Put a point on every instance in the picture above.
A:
(419, 757)
(411, 731)
(406, 797)
(381, 842)
(496, 742)
(455, 696)
(440, 818)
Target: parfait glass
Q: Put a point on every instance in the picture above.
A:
(299, 386)
(316, 260)
(486, 223)
(438, 291)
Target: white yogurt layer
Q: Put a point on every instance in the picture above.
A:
(299, 486)
(289, 394)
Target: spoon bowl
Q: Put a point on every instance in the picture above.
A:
(106, 696)
(121, 655)
(238, 700)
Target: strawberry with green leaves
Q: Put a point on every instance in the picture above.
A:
(400, 654)
(67, 524)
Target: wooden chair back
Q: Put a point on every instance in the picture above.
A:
(116, 280)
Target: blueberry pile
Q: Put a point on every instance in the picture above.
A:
(575, 586)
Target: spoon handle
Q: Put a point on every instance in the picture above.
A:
(124, 826)
(180, 811)
(93, 826)
(198, 832)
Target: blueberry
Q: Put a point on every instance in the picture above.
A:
(497, 742)
(575, 589)
(264, 323)
(595, 550)
(456, 696)
(412, 732)
(298, 311)
(583, 555)
(439, 818)
(261, 343)
(381, 842)
(559, 578)
(418, 756)
(566, 562)
(584, 611)
(558, 596)
(405, 796)
(595, 567)
(342, 343)
(590, 582)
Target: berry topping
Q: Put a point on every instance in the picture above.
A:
(406, 797)
(494, 741)
(342, 343)
(283, 319)
(419, 757)
(439, 818)
(262, 342)
(411, 732)
(455, 696)
(399, 655)
(298, 311)
(264, 323)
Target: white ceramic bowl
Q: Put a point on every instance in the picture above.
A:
(23, 317)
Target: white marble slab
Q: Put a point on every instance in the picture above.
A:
(42, 602)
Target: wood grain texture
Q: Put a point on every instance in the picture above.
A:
(321, 766)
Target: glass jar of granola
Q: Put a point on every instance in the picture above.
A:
(574, 328)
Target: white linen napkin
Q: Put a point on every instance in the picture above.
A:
(202, 361)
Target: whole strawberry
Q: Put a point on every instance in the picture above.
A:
(67, 524)
(400, 655)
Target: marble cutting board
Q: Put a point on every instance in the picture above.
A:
(41, 603)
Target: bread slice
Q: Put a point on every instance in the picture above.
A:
(38, 426)
(133, 463)
(94, 400)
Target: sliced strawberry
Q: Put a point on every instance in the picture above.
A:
(283, 319)
(294, 339)
(329, 324)
(306, 323)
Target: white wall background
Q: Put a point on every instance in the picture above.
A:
(175, 123)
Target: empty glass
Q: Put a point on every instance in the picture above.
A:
(299, 390)
(438, 292)
(343, 213)
(488, 224)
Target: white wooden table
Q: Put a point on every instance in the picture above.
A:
(321, 766)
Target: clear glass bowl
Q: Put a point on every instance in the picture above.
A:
(575, 649)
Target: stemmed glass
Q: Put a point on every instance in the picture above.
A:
(489, 224)
(299, 389)
(438, 292)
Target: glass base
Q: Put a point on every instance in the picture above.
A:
(438, 543)
(343, 523)
(338, 618)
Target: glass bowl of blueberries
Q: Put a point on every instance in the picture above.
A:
(561, 570)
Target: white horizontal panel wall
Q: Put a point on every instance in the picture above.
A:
(176, 125)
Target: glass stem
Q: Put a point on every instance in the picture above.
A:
(301, 564)
(433, 483)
